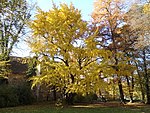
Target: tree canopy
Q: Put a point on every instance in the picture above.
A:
(14, 15)
(80, 57)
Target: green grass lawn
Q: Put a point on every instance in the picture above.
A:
(99, 108)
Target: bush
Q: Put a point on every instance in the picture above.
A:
(25, 95)
(8, 97)
(15, 95)
(79, 98)
(3, 80)
(83, 99)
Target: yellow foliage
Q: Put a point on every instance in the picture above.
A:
(146, 8)
(66, 62)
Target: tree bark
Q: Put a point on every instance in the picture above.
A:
(140, 82)
(119, 82)
(146, 78)
(70, 96)
(54, 93)
(129, 89)
(121, 91)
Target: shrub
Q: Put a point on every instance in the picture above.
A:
(78, 98)
(88, 98)
(25, 95)
(15, 95)
(8, 97)
(3, 80)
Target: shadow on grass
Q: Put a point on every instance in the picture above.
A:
(109, 107)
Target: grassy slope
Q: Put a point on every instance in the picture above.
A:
(77, 109)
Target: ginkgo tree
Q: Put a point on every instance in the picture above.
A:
(68, 60)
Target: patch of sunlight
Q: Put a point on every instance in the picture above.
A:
(88, 106)
(137, 104)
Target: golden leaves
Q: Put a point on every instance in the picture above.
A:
(76, 68)
(146, 8)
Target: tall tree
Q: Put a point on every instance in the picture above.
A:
(140, 22)
(14, 15)
(108, 17)
(142, 64)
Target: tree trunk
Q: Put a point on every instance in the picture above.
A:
(38, 93)
(70, 98)
(54, 93)
(70, 95)
(147, 92)
(146, 79)
(119, 82)
(113, 84)
(121, 91)
(129, 90)
(140, 80)
(132, 86)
